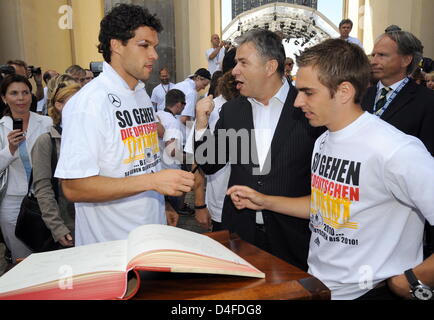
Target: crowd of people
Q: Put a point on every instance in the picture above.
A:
(338, 172)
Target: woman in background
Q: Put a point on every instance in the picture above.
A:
(16, 93)
(58, 215)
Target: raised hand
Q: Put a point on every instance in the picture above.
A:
(204, 109)
(15, 137)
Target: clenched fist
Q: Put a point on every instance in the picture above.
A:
(203, 111)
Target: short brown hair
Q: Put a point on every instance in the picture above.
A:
(338, 61)
(20, 63)
(227, 86)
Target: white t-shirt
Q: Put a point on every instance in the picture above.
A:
(110, 130)
(188, 86)
(366, 180)
(172, 130)
(42, 104)
(216, 63)
(159, 95)
(355, 41)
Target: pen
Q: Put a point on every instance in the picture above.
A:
(195, 169)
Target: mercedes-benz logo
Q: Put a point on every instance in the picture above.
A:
(114, 100)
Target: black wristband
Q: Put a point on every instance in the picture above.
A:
(200, 207)
(411, 278)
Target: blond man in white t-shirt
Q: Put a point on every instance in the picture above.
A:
(370, 185)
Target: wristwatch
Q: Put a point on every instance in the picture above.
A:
(418, 290)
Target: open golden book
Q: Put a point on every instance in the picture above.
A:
(103, 270)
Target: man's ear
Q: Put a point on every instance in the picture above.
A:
(271, 66)
(116, 46)
(346, 92)
(406, 61)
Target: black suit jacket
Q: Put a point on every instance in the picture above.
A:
(412, 112)
(289, 176)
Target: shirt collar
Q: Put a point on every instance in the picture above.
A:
(117, 80)
(393, 86)
(281, 95)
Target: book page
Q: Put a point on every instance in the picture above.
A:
(45, 267)
(161, 237)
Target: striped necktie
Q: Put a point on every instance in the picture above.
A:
(383, 98)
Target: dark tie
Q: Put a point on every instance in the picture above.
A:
(383, 98)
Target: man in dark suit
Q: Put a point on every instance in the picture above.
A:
(281, 142)
(405, 105)
(397, 99)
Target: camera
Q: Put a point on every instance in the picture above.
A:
(34, 71)
(17, 124)
(427, 65)
(96, 68)
(6, 69)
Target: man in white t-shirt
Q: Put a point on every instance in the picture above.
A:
(371, 186)
(171, 142)
(345, 28)
(158, 96)
(191, 87)
(110, 162)
(215, 55)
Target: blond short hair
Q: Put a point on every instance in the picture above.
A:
(62, 94)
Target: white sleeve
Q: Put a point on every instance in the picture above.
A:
(41, 104)
(6, 158)
(154, 98)
(189, 109)
(409, 175)
(82, 142)
(172, 130)
(189, 141)
(208, 53)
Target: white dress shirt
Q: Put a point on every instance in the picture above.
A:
(159, 95)
(265, 120)
(380, 86)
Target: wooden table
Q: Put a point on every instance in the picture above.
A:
(282, 280)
